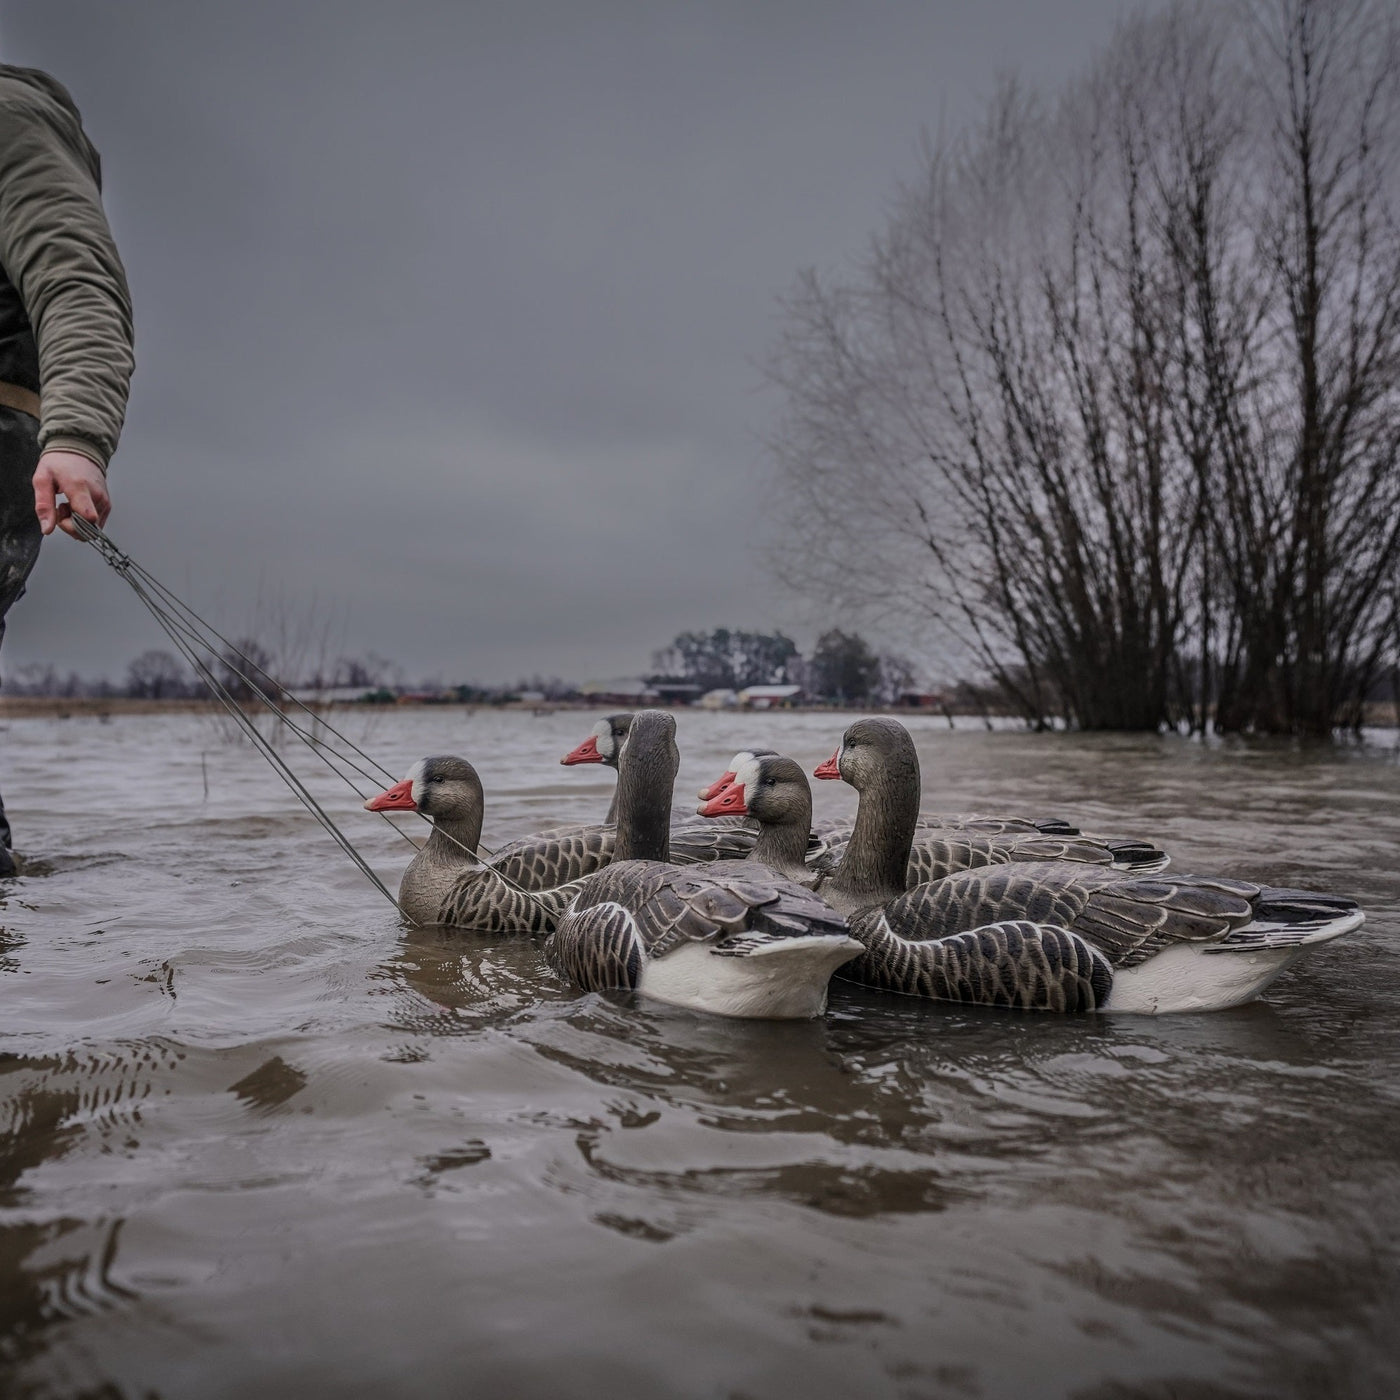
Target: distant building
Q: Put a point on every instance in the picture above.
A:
(628, 691)
(676, 692)
(769, 697)
(921, 700)
(719, 700)
(333, 694)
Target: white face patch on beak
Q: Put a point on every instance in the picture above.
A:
(746, 774)
(603, 739)
(415, 776)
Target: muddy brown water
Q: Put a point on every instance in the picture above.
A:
(258, 1139)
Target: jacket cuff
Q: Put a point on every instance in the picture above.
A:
(84, 448)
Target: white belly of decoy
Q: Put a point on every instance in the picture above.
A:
(1214, 976)
(785, 980)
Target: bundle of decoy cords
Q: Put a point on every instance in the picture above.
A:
(213, 657)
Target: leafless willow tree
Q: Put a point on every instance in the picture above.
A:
(1113, 397)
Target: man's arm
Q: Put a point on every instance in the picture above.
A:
(57, 249)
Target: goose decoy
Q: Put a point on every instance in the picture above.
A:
(604, 745)
(936, 851)
(774, 791)
(549, 859)
(1052, 936)
(447, 882)
(832, 830)
(733, 938)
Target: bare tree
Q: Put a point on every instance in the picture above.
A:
(1110, 395)
(1327, 87)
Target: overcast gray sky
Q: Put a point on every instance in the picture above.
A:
(448, 314)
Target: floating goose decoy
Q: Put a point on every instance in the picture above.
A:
(446, 882)
(783, 794)
(822, 833)
(774, 791)
(835, 830)
(733, 938)
(551, 858)
(604, 745)
(1052, 936)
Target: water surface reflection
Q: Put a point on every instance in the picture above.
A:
(258, 1138)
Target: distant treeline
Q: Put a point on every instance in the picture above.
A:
(161, 675)
(1114, 401)
(843, 669)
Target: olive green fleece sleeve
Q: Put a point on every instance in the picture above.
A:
(57, 250)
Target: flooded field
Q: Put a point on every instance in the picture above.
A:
(257, 1139)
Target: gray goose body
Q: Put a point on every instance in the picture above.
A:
(629, 917)
(772, 790)
(835, 831)
(1052, 936)
(942, 852)
(733, 937)
(560, 857)
(1055, 937)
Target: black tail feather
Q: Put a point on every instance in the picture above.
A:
(1284, 906)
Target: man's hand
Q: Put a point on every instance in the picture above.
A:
(81, 480)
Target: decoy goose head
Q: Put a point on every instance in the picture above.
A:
(878, 759)
(872, 750)
(444, 788)
(723, 781)
(604, 744)
(774, 790)
(764, 785)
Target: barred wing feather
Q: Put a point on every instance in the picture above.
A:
(598, 948)
(1016, 962)
(481, 901)
(555, 858)
(1127, 918)
(693, 845)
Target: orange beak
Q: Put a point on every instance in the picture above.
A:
(716, 787)
(829, 769)
(729, 803)
(587, 752)
(398, 798)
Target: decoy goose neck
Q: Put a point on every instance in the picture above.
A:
(878, 759)
(455, 840)
(646, 779)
